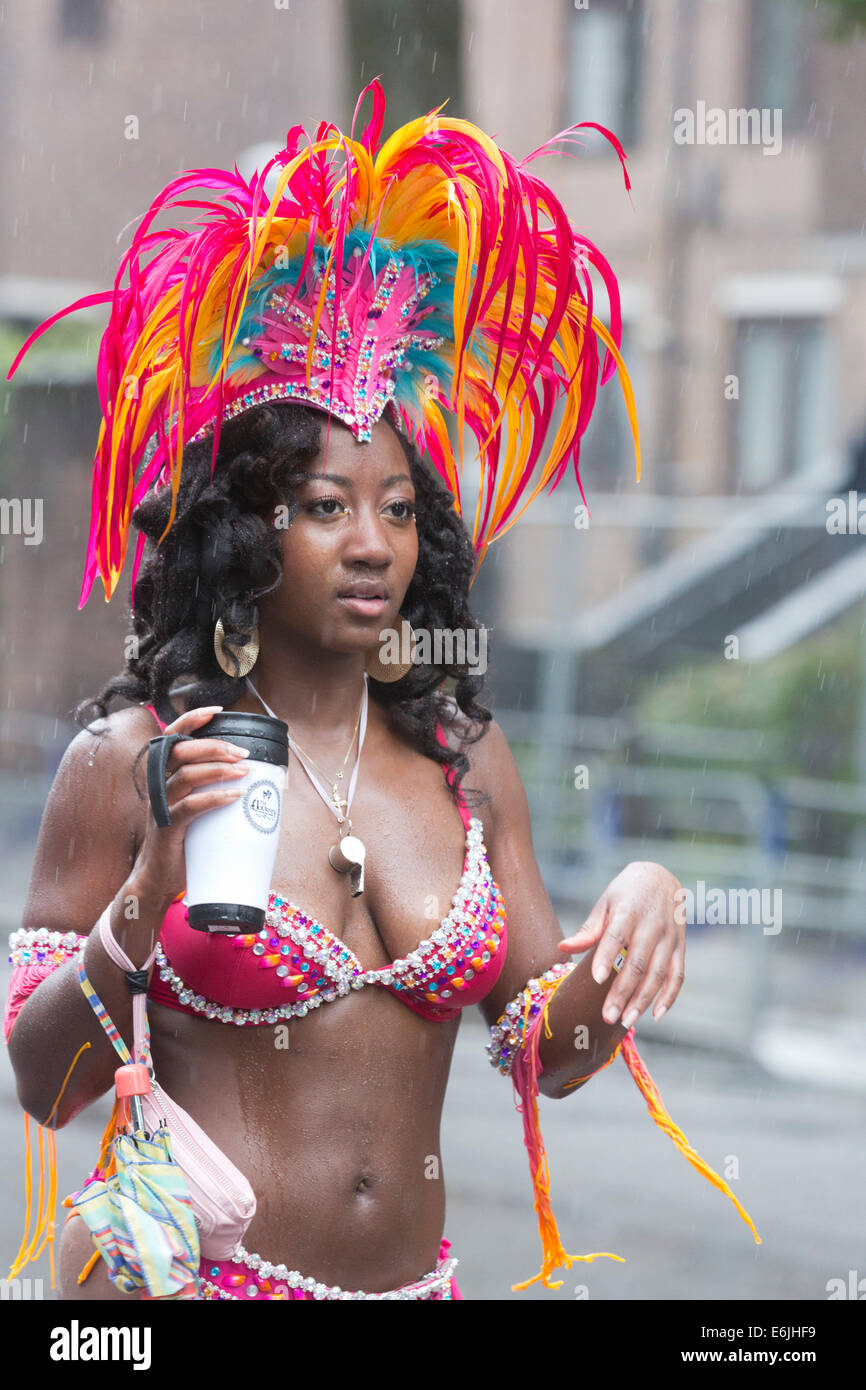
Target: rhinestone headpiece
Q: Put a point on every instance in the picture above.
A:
(388, 324)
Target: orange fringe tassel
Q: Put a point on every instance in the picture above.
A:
(655, 1105)
(88, 1267)
(525, 1074)
(31, 1247)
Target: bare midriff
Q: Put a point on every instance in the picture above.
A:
(334, 1120)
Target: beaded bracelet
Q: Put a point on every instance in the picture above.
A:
(41, 945)
(508, 1034)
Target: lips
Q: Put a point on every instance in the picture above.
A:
(364, 607)
(366, 588)
(366, 597)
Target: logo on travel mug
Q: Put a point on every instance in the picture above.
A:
(262, 806)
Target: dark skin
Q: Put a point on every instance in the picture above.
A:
(337, 1133)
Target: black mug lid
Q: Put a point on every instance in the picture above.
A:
(266, 738)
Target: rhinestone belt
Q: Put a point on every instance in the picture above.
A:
(438, 1281)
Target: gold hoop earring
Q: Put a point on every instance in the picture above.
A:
(235, 661)
(395, 658)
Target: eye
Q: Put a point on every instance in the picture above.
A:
(401, 510)
(326, 506)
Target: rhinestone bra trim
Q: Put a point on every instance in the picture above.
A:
(477, 909)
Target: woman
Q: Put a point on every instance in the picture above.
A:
(304, 532)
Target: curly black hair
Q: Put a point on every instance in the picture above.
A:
(222, 553)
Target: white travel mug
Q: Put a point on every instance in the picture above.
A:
(230, 852)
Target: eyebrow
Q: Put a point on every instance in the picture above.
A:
(347, 482)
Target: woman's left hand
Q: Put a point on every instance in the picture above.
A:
(640, 909)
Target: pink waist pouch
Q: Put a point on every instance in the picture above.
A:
(222, 1200)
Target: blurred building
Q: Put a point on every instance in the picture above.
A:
(740, 255)
(742, 267)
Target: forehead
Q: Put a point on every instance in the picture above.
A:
(341, 453)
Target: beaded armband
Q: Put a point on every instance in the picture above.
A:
(42, 946)
(508, 1034)
(34, 955)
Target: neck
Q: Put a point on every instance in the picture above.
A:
(320, 696)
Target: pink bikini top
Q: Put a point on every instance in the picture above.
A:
(294, 964)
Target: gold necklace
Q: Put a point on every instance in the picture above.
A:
(348, 855)
(339, 802)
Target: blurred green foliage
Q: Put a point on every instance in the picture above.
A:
(809, 699)
(66, 353)
(845, 18)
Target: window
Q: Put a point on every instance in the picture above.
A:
(82, 19)
(603, 69)
(415, 46)
(781, 411)
(778, 44)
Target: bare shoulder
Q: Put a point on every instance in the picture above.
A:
(93, 822)
(113, 744)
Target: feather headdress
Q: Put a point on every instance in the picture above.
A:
(428, 274)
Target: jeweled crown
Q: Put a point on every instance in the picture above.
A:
(388, 325)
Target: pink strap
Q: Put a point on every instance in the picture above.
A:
(450, 774)
(139, 1001)
(156, 716)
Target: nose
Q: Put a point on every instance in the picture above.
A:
(367, 541)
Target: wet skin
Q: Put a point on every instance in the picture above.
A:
(335, 1133)
(338, 1134)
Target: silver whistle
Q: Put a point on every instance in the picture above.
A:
(347, 857)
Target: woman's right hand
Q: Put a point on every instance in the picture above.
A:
(159, 872)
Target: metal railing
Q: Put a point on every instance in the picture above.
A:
(729, 836)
